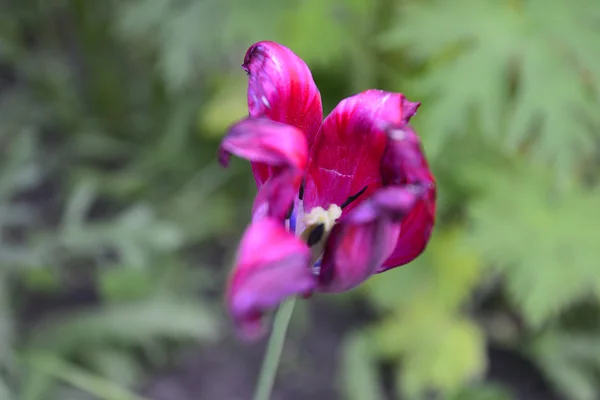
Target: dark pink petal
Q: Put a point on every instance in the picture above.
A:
(390, 203)
(349, 148)
(279, 147)
(405, 167)
(414, 234)
(265, 141)
(354, 252)
(272, 265)
(277, 195)
(281, 87)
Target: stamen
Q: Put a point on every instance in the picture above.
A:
(315, 235)
(353, 197)
(318, 224)
(319, 216)
(301, 192)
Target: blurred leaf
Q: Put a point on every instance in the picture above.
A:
(118, 366)
(493, 41)
(319, 30)
(358, 377)
(483, 392)
(567, 358)
(100, 387)
(228, 105)
(543, 241)
(41, 279)
(445, 274)
(7, 339)
(440, 349)
(122, 284)
(187, 34)
(437, 352)
(19, 171)
(5, 392)
(136, 234)
(128, 324)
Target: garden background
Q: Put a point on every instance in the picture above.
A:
(118, 227)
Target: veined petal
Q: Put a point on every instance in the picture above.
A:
(389, 228)
(405, 167)
(278, 147)
(354, 252)
(272, 265)
(348, 150)
(281, 87)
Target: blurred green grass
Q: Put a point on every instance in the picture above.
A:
(114, 214)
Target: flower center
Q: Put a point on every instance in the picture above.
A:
(319, 223)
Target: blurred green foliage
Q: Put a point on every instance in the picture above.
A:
(110, 114)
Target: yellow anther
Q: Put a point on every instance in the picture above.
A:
(319, 215)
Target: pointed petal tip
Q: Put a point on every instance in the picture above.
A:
(409, 109)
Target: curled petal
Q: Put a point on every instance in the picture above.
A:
(278, 147)
(277, 195)
(271, 265)
(265, 141)
(354, 252)
(390, 203)
(347, 153)
(405, 167)
(281, 88)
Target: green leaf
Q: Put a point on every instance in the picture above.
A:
(543, 241)
(119, 284)
(128, 324)
(438, 352)
(323, 31)
(568, 360)
(358, 376)
(98, 386)
(476, 48)
(444, 275)
(187, 35)
(483, 392)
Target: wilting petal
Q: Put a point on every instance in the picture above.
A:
(354, 252)
(279, 147)
(390, 203)
(415, 231)
(265, 141)
(348, 150)
(405, 167)
(272, 265)
(277, 195)
(281, 88)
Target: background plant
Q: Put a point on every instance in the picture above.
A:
(114, 215)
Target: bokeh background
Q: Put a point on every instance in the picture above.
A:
(118, 228)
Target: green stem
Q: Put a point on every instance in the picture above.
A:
(268, 371)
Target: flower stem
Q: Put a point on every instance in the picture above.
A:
(268, 370)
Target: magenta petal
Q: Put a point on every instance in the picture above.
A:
(265, 141)
(405, 167)
(347, 152)
(354, 252)
(281, 88)
(390, 203)
(277, 195)
(271, 265)
(280, 148)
